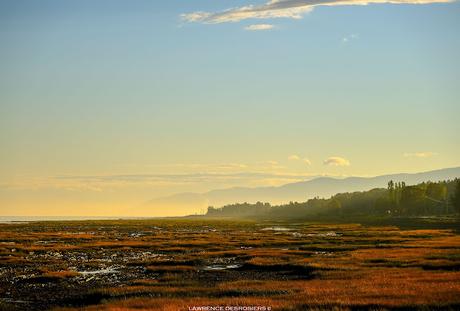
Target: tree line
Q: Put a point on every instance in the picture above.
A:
(398, 199)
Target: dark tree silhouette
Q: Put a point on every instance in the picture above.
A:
(455, 198)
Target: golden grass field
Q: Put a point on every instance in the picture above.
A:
(184, 264)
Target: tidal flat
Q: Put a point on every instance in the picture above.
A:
(181, 264)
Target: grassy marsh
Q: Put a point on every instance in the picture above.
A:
(176, 264)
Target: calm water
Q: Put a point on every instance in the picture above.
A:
(9, 219)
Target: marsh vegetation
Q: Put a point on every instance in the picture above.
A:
(178, 263)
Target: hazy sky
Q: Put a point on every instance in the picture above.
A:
(106, 104)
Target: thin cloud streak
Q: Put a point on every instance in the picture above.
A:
(295, 157)
(426, 154)
(259, 27)
(294, 9)
(104, 182)
(336, 161)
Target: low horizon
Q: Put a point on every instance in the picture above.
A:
(28, 217)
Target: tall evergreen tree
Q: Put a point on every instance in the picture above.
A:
(455, 198)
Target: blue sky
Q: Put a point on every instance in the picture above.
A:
(132, 87)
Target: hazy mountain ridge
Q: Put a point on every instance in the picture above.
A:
(298, 191)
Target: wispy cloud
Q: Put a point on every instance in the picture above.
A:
(294, 157)
(182, 178)
(349, 38)
(336, 161)
(293, 9)
(259, 27)
(306, 161)
(426, 154)
(166, 175)
(100, 183)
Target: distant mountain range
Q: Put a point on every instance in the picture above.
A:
(298, 191)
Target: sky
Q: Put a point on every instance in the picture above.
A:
(107, 104)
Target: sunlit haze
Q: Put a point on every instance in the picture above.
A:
(108, 104)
